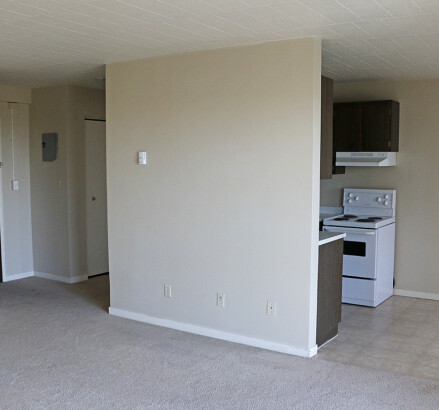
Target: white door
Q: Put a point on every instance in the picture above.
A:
(96, 197)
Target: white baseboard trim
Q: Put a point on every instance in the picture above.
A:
(76, 279)
(50, 276)
(73, 279)
(412, 294)
(216, 334)
(8, 278)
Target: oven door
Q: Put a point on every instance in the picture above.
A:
(359, 251)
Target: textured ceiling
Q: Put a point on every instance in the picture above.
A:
(46, 42)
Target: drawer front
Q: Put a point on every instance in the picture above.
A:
(358, 291)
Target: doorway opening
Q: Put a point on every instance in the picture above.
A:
(96, 197)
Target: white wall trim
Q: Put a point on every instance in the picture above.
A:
(16, 276)
(412, 294)
(52, 277)
(73, 279)
(217, 334)
(64, 279)
(76, 279)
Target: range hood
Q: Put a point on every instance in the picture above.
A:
(365, 159)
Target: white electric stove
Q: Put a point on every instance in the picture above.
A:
(369, 247)
(357, 221)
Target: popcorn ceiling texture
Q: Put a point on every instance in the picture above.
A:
(69, 42)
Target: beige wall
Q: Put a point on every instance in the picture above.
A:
(15, 215)
(48, 113)
(58, 196)
(15, 94)
(229, 199)
(415, 178)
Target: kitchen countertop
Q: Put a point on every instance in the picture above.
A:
(326, 237)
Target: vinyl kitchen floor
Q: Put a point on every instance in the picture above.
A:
(400, 335)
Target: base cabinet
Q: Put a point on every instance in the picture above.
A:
(329, 290)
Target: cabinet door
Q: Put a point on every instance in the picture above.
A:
(326, 129)
(376, 126)
(329, 290)
(347, 127)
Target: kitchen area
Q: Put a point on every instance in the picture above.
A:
(372, 193)
(361, 232)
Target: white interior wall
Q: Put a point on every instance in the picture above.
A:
(15, 214)
(415, 178)
(229, 199)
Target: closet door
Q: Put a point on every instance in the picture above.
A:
(96, 197)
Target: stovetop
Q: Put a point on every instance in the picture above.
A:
(365, 208)
(359, 221)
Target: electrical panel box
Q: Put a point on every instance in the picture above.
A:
(50, 146)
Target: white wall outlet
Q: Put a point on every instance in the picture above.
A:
(167, 291)
(271, 308)
(142, 158)
(221, 299)
(15, 185)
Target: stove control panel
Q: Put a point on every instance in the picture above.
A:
(385, 199)
(370, 201)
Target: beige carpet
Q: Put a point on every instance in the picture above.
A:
(59, 349)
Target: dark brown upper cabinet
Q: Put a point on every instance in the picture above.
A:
(371, 126)
(326, 130)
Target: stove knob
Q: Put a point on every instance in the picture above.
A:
(386, 203)
(380, 199)
(349, 201)
(387, 196)
(351, 195)
(357, 198)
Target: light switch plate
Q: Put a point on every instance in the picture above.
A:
(143, 158)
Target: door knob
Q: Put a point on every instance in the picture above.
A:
(93, 198)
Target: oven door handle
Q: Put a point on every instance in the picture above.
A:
(349, 230)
